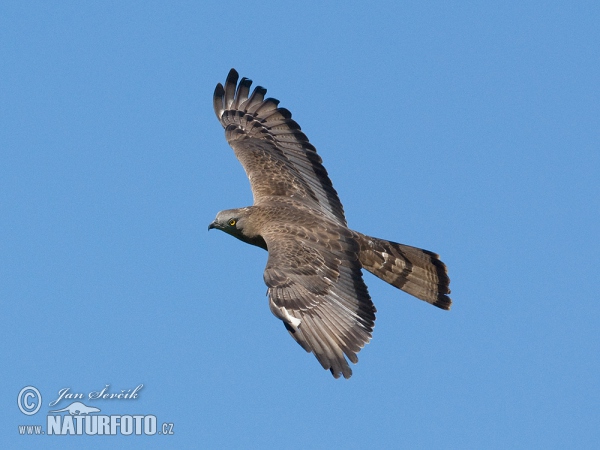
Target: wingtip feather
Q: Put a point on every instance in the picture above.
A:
(230, 87)
(218, 101)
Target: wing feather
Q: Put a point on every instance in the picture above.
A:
(260, 133)
(255, 100)
(230, 89)
(317, 290)
(242, 92)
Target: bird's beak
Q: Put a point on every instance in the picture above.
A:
(212, 225)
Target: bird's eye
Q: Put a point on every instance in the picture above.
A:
(232, 222)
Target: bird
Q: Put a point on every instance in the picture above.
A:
(315, 261)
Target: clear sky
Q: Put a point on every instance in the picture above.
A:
(468, 128)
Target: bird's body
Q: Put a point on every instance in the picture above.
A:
(313, 272)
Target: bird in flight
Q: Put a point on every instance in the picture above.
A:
(315, 262)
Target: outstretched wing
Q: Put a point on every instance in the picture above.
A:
(274, 152)
(316, 289)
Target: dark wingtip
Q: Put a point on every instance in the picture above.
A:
(233, 74)
(218, 101)
(230, 88)
(241, 94)
(224, 95)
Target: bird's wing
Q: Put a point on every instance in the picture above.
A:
(316, 288)
(275, 153)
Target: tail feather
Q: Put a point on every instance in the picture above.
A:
(416, 271)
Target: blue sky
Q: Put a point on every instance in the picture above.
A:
(469, 129)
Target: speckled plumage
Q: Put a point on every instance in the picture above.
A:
(314, 269)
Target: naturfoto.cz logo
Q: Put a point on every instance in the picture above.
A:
(78, 418)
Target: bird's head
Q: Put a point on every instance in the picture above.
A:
(236, 223)
(231, 221)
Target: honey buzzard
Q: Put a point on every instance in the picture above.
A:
(313, 272)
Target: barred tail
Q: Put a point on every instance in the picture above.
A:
(416, 271)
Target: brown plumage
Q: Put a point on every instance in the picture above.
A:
(313, 272)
